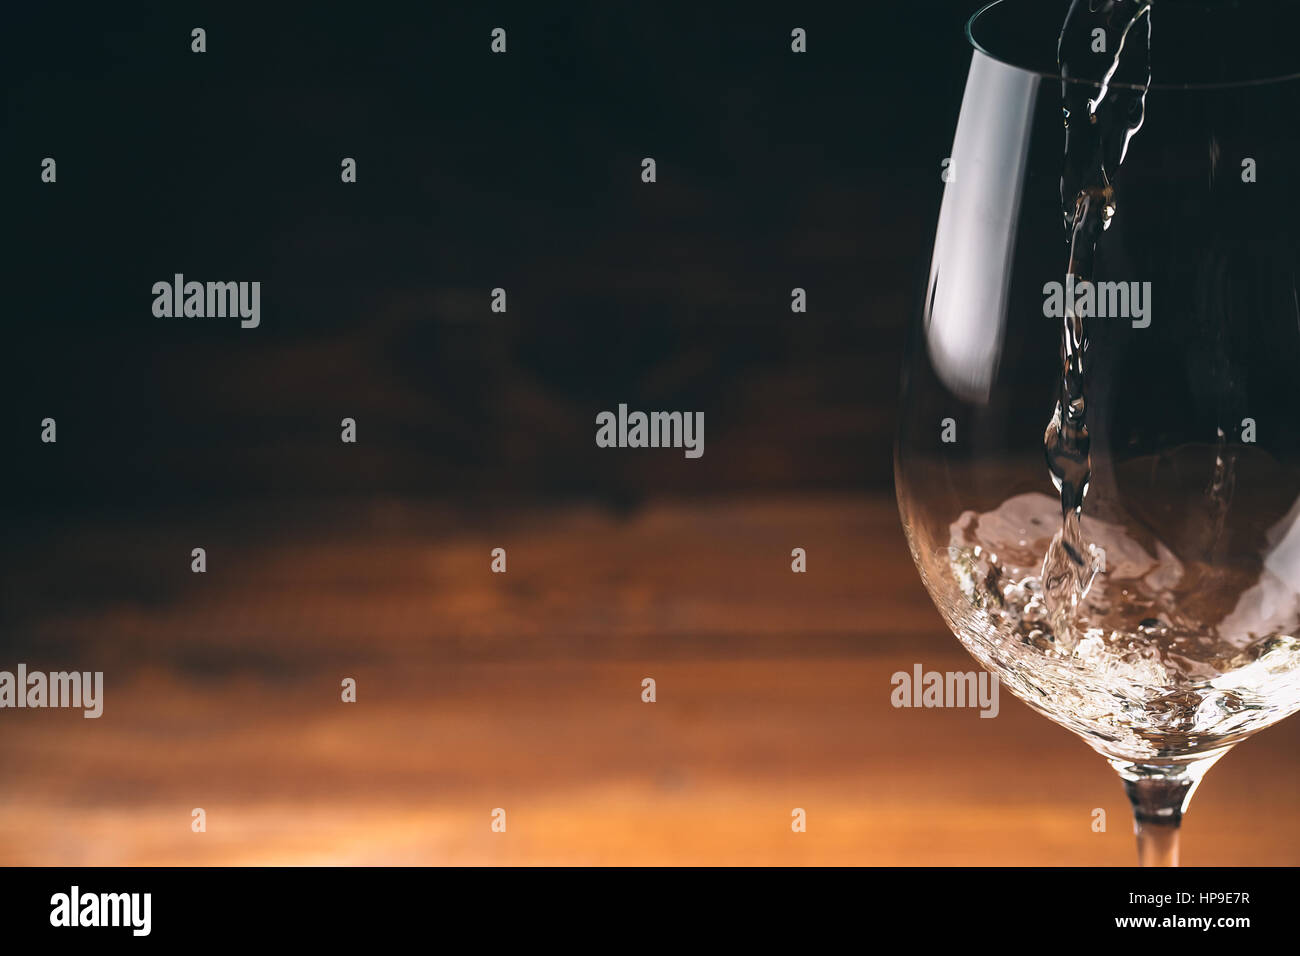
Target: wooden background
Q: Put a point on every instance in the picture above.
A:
(522, 691)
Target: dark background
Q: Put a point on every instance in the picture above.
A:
(475, 170)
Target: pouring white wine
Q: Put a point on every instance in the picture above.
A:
(1131, 570)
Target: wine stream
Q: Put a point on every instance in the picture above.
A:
(1104, 55)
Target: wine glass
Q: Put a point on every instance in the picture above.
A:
(1098, 456)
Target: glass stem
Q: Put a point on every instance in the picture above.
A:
(1158, 804)
(1160, 793)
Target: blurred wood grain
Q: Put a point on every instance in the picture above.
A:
(523, 691)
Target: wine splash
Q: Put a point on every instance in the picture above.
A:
(1104, 55)
(1165, 654)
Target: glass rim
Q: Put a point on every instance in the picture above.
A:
(1154, 85)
